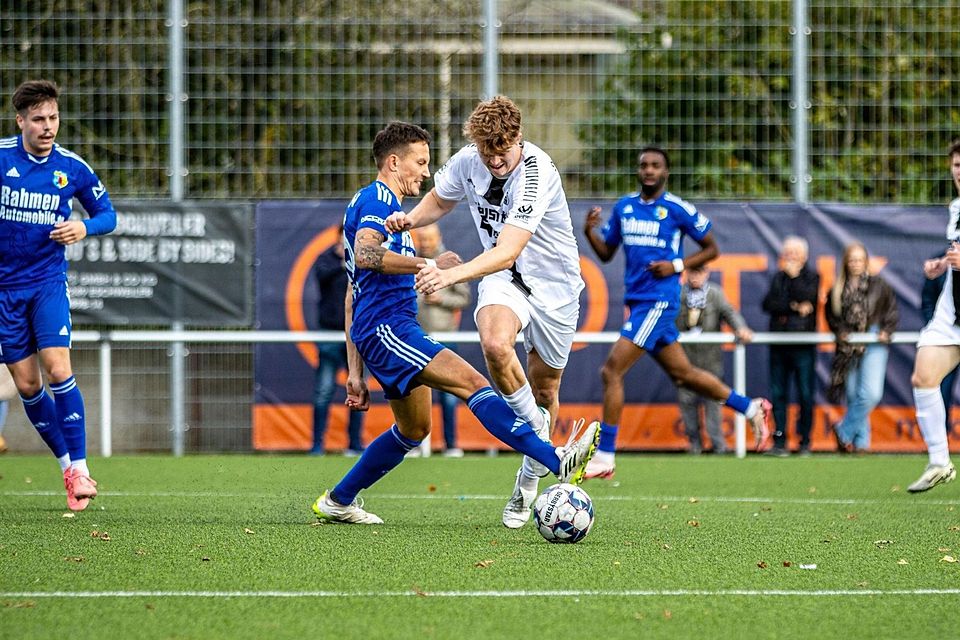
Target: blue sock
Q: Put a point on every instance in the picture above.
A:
(608, 437)
(737, 402)
(499, 419)
(378, 459)
(42, 413)
(73, 424)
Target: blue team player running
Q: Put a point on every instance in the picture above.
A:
(651, 225)
(383, 334)
(38, 181)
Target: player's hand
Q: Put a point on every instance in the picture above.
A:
(448, 259)
(358, 395)
(884, 338)
(68, 232)
(431, 279)
(593, 219)
(804, 308)
(935, 267)
(661, 268)
(397, 222)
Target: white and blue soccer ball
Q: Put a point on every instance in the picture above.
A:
(563, 513)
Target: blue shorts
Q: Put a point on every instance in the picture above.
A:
(652, 325)
(34, 318)
(396, 353)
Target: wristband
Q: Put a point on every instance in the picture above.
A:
(677, 265)
(430, 262)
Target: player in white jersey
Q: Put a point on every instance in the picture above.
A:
(938, 350)
(530, 267)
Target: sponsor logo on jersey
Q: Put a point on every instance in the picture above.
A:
(60, 179)
(13, 173)
(661, 213)
(98, 191)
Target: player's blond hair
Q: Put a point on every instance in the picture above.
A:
(494, 125)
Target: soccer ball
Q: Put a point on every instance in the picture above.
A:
(563, 513)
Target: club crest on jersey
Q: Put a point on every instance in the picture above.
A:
(661, 213)
(60, 179)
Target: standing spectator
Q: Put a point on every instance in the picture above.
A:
(331, 356)
(859, 302)
(438, 311)
(702, 308)
(928, 305)
(792, 305)
(36, 332)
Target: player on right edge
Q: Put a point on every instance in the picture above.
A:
(938, 350)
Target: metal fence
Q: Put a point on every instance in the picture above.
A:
(823, 100)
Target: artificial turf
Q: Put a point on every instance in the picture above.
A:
(711, 547)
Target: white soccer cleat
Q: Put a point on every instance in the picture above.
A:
(579, 449)
(519, 507)
(543, 432)
(353, 513)
(933, 475)
(601, 469)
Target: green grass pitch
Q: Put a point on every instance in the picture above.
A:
(708, 547)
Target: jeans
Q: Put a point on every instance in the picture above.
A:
(794, 363)
(332, 358)
(864, 388)
(690, 402)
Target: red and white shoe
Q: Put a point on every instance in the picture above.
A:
(80, 489)
(760, 423)
(600, 467)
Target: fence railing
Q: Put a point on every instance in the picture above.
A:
(178, 340)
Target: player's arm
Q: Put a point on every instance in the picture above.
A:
(604, 251)
(708, 251)
(510, 243)
(369, 253)
(430, 209)
(358, 396)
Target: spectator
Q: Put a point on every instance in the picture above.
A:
(792, 305)
(331, 356)
(702, 308)
(928, 304)
(438, 311)
(859, 302)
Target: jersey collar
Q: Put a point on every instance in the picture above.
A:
(30, 156)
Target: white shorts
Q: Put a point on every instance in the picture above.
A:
(550, 333)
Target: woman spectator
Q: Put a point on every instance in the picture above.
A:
(858, 303)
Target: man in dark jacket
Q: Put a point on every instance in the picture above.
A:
(792, 305)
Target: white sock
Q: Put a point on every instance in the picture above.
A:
(527, 482)
(932, 418)
(64, 461)
(524, 405)
(81, 466)
(752, 409)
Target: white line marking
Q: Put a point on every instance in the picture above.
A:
(627, 593)
(434, 496)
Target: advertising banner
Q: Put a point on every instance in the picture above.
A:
(165, 263)
(290, 236)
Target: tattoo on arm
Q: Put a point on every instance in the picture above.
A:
(368, 250)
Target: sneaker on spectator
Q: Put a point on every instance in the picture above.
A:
(454, 452)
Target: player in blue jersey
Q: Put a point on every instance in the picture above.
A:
(651, 226)
(38, 181)
(383, 334)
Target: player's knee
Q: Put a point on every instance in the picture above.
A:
(498, 353)
(58, 372)
(609, 374)
(923, 380)
(417, 431)
(545, 397)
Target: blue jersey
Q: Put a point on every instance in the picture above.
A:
(377, 296)
(35, 194)
(652, 231)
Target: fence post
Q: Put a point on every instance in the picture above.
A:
(490, 50)
(106, 398)
(740, 386)
(801, 102)
(176, 99)
(177, 391)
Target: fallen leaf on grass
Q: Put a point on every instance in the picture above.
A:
(693, 500)
(28, 480)
(812, 490)
(766, 508)
(762, 564)
(667, 614)
(949, 559)
(863, 585)
(943, 549)
(663, 507)
(787, 563)
(150, 607)
(616, 563)
(895, 488)
(693, 523)
(26, 604)
(420, 592)
(141, 552)
(666, 547)
(248, 531)
(432, 488)
(954, 528)
(902, 561)
(69, 514)
(73, 558)
(883, 544)
(205, 559)
(483, 564)
(852, 516)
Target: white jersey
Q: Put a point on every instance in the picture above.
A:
(942, 328)
(531, 198)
